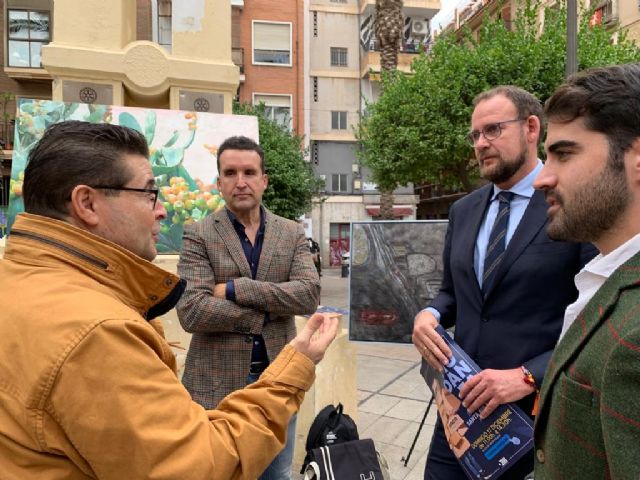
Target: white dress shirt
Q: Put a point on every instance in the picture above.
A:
(589, 280)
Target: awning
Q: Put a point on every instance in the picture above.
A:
(398, 211)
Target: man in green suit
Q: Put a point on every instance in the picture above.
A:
(588, 425)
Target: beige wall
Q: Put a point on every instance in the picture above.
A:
(338, 87)
(95, 41)
(629, 16)
(334, 30)
(335, 94)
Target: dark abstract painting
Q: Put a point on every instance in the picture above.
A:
(396, 269)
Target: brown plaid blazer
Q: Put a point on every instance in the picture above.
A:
(286, 284)
(589, 421)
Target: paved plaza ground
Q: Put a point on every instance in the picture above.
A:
(392, 396)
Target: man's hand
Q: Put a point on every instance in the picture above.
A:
(428, 342)
(492, 388)
(220, 290)
(316, 336)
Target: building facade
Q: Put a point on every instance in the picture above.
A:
(269, 37)
(344, 73)
(162, 54)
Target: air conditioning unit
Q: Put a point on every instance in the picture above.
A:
(419, 28)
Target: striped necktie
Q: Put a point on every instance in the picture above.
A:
(497, 241)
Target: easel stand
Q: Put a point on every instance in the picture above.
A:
(413, 445)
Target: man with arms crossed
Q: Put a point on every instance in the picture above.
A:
(88, 387)
(505, 284)
(248, 273)
(589, 421)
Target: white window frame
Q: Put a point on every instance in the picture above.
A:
(289, 96)
(346, 182)
(340, 113)
(253, 49)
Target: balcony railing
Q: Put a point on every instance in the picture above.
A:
(237, 56)
(413, 47)
(6, 135)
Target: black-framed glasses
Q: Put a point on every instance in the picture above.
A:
(151, 191)
(490, 131)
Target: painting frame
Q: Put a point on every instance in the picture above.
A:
(395, 271)
(182, 151)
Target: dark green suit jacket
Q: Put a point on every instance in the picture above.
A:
(588, 426)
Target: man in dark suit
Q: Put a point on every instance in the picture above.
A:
(589, 421)
(505, 284)
(248, 273)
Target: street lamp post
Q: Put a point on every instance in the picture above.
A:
(572, 37)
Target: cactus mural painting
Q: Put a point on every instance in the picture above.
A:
(182, 151)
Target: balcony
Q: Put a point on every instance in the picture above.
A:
(410, 8)
(237, 57)
(20, 74)
(370, 57)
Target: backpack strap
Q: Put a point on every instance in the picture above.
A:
(334, 417)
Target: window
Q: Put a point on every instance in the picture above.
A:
(338, 120)
(314, 153)
(315, 24)
(338, 57)
(27, 32)
(164, 24)
(277, 107)
(315, 89)
(272, 43)
(339, 182)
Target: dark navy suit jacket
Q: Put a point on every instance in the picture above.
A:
(519, 321)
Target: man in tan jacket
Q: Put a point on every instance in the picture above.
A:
(87, 382)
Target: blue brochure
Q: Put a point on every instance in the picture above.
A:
(485, 448)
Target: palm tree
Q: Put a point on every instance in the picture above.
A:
(388, 27)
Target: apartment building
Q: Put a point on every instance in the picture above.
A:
(148, 53)
(344, 74)
(268, 43)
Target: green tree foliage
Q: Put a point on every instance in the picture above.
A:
(416, 130)
(291, 179)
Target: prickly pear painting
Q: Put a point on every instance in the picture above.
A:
(182, 150)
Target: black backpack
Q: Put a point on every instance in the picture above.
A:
(330, 426)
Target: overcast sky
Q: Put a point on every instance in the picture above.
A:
(445, 15)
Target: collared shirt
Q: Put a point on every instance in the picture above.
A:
(252, 253)
(593, 275)
(523, 191)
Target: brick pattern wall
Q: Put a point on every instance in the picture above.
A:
(274, 79)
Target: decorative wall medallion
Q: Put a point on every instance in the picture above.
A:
(88, 95)
(201, 105)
